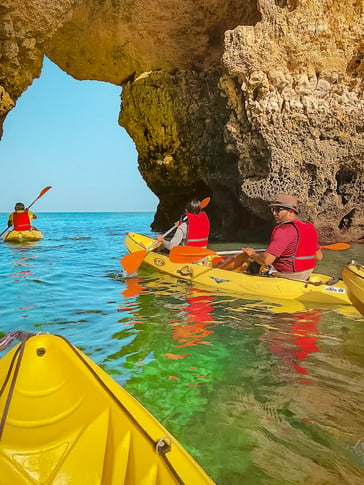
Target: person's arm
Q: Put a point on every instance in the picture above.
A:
(10, 220)
(31, 215)
(280, 241)
(261, 258)
(319, 255)
(176, 240)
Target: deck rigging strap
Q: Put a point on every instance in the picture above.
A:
(17, 358)
(9, 338)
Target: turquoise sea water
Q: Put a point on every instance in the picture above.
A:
(258, 392)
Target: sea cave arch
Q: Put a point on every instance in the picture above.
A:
(234, 100)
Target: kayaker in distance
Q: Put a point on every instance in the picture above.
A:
(21, 218)
(193, 228)
(293, 248)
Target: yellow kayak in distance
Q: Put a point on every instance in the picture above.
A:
(320, 288)
(23, 236)
(65, 421)
(353, 277)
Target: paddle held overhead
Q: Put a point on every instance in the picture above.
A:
(44, 191)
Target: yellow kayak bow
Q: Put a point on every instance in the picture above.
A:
(64, 420)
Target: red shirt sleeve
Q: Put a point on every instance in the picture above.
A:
(283, 241)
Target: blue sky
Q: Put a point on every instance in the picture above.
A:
(65, 133)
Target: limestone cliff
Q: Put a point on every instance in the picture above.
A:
(295, 85)
(236, 100)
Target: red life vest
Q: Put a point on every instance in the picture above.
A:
(198, 229)
(307, 245)
(21, 221)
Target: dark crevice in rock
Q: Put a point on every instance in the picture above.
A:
(345, 178)
(347, 221)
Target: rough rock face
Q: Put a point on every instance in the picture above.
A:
(235, 100)
(295, 84)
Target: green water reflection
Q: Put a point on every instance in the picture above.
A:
(258, 392)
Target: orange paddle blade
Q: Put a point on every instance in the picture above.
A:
(132, 261)
(336, 246)
(204, 202)
(189, 254)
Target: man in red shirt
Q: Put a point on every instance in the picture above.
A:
(293, 248)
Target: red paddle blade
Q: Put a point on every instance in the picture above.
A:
(189, 254)
(44, 191)
(132, 261)
(40, 195)
(336, 246)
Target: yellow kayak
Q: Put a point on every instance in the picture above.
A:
(353, 277)
(65, 421)
(320, 288)
(23, 236)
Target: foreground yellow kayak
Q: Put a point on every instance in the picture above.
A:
(320, 289)
(23, 236)
(65, 421)
(353, 277)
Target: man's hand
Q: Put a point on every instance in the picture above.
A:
(250, 252)
(261, 258)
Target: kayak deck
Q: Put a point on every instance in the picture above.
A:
(70, 422)
(23, 236)
(320, 288)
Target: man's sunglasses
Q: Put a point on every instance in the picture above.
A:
(278, 209)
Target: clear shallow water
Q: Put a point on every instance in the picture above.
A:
(258, 392)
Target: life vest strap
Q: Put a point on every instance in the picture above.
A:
(299, 257)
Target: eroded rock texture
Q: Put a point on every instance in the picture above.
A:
(236, 100)
(295, 84)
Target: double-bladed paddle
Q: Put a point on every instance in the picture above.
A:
(131, 262)
(42, 192)
(191, 254)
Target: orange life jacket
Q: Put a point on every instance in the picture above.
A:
(198, 229)
(21, 221)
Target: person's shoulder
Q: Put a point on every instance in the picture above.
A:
(286, 227)
(306, 223)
